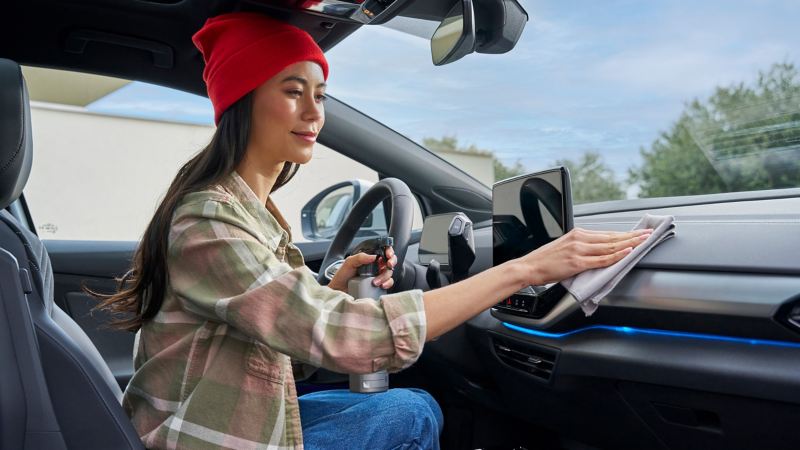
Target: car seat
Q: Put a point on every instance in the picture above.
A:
(55, 389)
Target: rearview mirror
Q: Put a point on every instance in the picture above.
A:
(455, 37)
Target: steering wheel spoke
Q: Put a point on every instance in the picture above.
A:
(400, 223)
(331, 270)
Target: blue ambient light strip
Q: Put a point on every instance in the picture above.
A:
(645, 331)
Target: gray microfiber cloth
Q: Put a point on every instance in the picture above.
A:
(593, 285)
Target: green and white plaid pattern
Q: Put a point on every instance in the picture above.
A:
(214, 367)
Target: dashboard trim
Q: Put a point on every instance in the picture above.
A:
(633, 330)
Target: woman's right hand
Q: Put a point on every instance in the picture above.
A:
(579, 250)
(568, 255)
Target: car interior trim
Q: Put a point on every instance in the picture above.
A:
(634, 330)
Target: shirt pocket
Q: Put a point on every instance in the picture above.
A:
(265, 363)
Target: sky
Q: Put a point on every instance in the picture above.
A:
(585, 75)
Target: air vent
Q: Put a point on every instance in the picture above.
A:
(535, 360)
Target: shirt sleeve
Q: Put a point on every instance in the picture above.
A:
(224, 270)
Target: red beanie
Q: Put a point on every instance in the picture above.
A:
(243, 50)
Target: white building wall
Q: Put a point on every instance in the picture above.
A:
(479, 166)
(101, 177)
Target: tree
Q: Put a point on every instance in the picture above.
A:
(502, 171)
(450, 144)
(742, 138)
(592, 180)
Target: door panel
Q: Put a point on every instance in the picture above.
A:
(116, 347)
(96, 264)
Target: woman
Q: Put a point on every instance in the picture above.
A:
(223, 302)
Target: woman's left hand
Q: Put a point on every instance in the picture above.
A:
(351, 264)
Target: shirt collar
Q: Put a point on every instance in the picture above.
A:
(268, 214)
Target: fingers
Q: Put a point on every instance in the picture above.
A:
(359, 259)
(610, 247)
(384, 284)
(581, 250)
(392, 258)
(384, 279)
(364, 258)
(593, 236)
(594, 262)
(588, 231)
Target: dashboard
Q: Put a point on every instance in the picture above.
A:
(698, 344)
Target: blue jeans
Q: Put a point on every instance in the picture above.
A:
(402, 419)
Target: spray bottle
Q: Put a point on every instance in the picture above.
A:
(360, 286)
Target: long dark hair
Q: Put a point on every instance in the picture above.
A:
(140, 292)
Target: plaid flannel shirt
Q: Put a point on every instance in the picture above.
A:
(214, 367)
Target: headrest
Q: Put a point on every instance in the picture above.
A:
(16, 149)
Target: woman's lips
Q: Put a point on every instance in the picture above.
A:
(308, 137)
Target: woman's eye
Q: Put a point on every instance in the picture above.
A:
(321, 97)
(295, 93)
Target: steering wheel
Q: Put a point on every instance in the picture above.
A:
(400, 224)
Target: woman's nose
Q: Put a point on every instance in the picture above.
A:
(313, 109)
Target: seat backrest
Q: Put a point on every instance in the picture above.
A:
(84, 395)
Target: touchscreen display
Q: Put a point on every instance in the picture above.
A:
(529, 211)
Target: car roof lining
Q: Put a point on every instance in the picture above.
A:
(36, 33)
(43, 41)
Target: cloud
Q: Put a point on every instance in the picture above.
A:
(684, 70)
(687, 55)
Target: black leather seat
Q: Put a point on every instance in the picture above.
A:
(69, 397)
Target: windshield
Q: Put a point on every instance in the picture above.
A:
(637, 99)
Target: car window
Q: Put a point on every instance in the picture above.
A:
(637, 99)
(105, 151)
